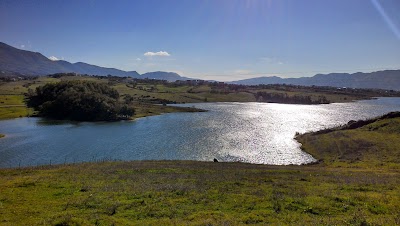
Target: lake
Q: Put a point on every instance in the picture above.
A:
(260, 133)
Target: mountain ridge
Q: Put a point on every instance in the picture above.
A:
(386, 79)
(14, 60)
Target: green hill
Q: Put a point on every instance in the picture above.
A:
(367, 143)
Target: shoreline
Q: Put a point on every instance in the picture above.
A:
(297, 137)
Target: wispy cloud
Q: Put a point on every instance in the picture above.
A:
(159, 53)
(53, 58)
(242, 72)
(138, 59)
(271, 60)
(22, 46)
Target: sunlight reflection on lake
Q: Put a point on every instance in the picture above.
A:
(249, 132)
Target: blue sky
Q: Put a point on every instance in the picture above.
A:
(211, 39)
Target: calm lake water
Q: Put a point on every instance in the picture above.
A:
(249, 132)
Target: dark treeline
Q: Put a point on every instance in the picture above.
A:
(11, 77)
(79, 101)
(286, 99)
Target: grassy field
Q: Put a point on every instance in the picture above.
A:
(351, 186)
(374, 145)
(13, 106)
(198, 193)
(144, 109)
(12, 103)
(203, 93)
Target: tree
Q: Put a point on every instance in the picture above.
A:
(79, 101)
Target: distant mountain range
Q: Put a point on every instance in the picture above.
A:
(13, 60)
(32, 63)
(388, 79)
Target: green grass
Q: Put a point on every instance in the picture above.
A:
(11, 100)
(14, 112)
(197, 193)
(142, 94)
(13, 106)
(143, 109)
(373, 145)
(332, 98)
(203, 93)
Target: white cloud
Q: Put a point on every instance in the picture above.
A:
(138, 59)
(22, 46)
(159, 53)
(53, 58)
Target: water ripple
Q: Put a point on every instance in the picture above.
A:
(259, 133)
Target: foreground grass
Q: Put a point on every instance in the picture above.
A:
(198, 193)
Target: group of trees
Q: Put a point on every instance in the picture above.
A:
(286, 99)
(80, 101)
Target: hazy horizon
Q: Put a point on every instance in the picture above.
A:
(218, 40)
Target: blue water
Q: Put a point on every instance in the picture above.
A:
(249, 132)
